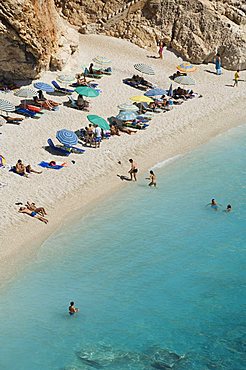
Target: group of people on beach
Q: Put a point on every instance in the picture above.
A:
(133, 174)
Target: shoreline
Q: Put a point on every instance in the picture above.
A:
(76, 190)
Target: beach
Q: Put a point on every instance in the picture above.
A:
(70, 192)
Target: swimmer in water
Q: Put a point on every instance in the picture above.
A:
(152, 178)
(228, 208)
(72, 310)
(214, 204)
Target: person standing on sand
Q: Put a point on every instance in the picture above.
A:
(152, 178)
(133, 170)
(218, 64)
(236, 78)
(161, 47)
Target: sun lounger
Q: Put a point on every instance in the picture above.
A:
(25, 112)
(33, 108)
(57, 149)
(74, 149)
(135, 84)
(61, 89)
(92, 75)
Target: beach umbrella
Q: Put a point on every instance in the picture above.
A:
(144, 68)
(87, 91)
(67, 137)
(155, 92)
(97, 120)
(2, 160)
(44, 86)
(26, 93)
(170, 90)
(184, 80)
(128, 107)
(65, 79)
(126, 116)
(186, 67)
(141, 99)
(101, 60)
(6, 106)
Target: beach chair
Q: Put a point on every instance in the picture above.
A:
(62, 90)
(57, 149)
(135, 84)
(92, 75)
(33, 108)
(74, 149)
(25, 112)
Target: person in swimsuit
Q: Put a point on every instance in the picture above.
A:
(40, 210)
(161, 46)
(228, 208)
(133, 170)
(72, 310)
(214, 204)
(33, 214)
(152, 178)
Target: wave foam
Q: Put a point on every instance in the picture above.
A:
(167, 161)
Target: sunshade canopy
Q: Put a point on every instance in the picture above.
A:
(186, 67)
(87, 91)
(26, 93)
(44, 86)
(67, 137)
(126, 116)
(6, 106)
(144, 68)
(101, 60)
(65, 79)
(184, 80)
(128, 107)
(97, 120)
(141, 99)
(156, 92)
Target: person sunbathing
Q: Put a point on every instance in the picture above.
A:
(114, 130)
(81, 81)
(93, 71)
(32, 207)
(33, 214)
(23, 170)
(47, 104)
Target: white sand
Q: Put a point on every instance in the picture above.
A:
(64, 193)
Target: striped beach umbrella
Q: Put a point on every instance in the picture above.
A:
(128, 107)
(186, 67)
(65, 79)
(184, 80)
(6, 106)
(156, 92)
(101, 60)
(26, 93)
(141, 99)
(97, 120)
(44, 86)
(87, 91)
(144, 68)
(67, 137)
(126, 116)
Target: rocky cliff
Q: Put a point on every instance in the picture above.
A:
(31, 38)
(194, 29)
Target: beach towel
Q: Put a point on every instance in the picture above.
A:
(47, 165)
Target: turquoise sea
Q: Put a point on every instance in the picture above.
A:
(159, 277)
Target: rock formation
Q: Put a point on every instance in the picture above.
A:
(194, 29)
(31, 38)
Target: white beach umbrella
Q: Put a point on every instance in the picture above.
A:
(185, 80)
(101, 60)
(6, 106)
(128, 107)
(65, 79)
(26, 93)
(144, 68)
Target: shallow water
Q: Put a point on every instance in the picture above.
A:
(154, 272)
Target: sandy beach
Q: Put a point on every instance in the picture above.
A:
(69, 193)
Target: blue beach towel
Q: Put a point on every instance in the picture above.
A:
(46, 165)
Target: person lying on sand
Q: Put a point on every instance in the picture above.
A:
(32, 207)
(23, 170)
(33, 214)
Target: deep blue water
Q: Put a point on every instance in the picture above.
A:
(156, 275)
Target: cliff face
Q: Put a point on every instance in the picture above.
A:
(195, 29)
(28, 36)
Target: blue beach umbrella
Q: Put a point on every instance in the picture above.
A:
(67, 137)
(155, 92)
(126, 116)
(44, 86)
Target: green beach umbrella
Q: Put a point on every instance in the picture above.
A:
(87, 91)
(97, 120)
